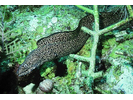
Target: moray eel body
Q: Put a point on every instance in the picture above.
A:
(55, 46)
(64, 43)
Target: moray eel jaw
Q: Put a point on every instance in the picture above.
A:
(23, 69)
(34, 59)
(30, 63)
(26, 68)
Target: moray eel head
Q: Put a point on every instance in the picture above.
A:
(30, 63)
(24, 69)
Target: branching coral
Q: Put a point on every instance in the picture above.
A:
(91, 75)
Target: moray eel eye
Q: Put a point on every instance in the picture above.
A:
(25, 65)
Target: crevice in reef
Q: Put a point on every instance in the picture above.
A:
(61, 69)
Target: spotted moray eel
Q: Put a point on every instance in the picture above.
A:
(64, 43)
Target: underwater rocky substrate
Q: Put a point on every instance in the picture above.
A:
(116, 53)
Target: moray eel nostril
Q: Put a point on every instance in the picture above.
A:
(64, 43)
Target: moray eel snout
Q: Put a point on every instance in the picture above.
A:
(23, 69)
(28, 65)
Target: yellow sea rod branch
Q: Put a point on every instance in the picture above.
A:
(96, 17)
(95, 41)
(85, 9)
(91, 75)
(95, 35)
(112, 27)
(92, 59)
(107, 29)
(130, 10)
(81, 58)
(87, 30)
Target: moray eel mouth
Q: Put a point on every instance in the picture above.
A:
(64, 43)
(24, 69)
(30, 63)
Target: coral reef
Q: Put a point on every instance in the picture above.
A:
(22, 26)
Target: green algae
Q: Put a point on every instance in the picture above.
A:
(125, 47)
(39, 29)
(117, 72)
(85, 51)
(48, 70)
(108, 44)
